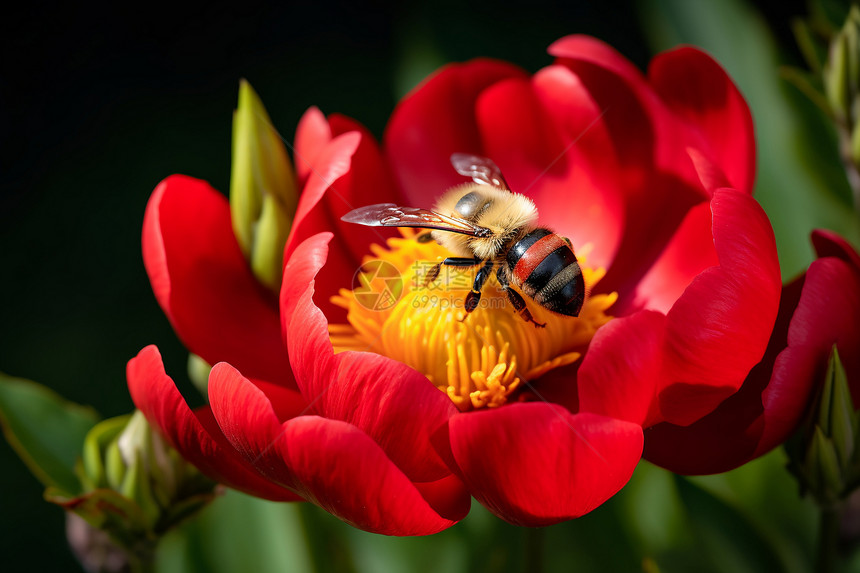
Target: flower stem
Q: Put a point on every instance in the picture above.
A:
(828, 536)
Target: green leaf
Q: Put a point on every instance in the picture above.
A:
(733, 543)
(45, 430)
(800, 179)
(770, 499)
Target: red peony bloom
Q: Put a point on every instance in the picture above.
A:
(650, 178)
(818, 310)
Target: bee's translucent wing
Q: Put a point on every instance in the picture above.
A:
(391, 215)
(482, 170)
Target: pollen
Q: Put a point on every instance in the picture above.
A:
(479, 360)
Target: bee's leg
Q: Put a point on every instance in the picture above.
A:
(432, 274)
(425, 237)
(474, 297)
(461, 262)
(450, 262)
(515, 298)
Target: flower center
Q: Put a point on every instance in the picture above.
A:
(479, 360)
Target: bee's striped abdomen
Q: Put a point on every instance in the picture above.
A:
(544, 267)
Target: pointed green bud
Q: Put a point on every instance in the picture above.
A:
(824, 455)
(127, 468)
(263, 194)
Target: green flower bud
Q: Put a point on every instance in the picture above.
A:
(135, 486)
(824, 455)
(263, 195)
(841, 73)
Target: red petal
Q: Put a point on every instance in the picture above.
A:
(697, 89)
(777, 394)
(536, 464)
(828, 313)
(393, 404)
(575, 48)
(363, 487)
(368, 181)
(710, 174)
(331, 463)
(434, 121)
(312, 135)
(829, 244)
(657, 178)
(192, 433)
(620, 373)
(203, 283)
(312, 215)
(689, 252)
(632, 112)
(356, 175)
(719, 328)
(548, 138)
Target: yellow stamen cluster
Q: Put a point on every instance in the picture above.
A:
(478, 361)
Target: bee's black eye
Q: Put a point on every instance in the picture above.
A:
(470, 204)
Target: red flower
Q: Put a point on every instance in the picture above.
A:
(649, 176)
(818, 310)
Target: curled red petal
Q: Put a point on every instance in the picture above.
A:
(828, 313)
(205, 286)
(364, 488)
(829, 244)
(193, 434)
(719, 328)
(331, 463)
(435, 120)
(393, 404)
(537, 464)
(777, 393)
(696, 88)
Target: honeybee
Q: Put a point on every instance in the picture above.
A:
(485, 223)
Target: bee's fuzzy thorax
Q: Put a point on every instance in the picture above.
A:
(507, 215)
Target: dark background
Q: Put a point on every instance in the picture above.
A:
(99, 104)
